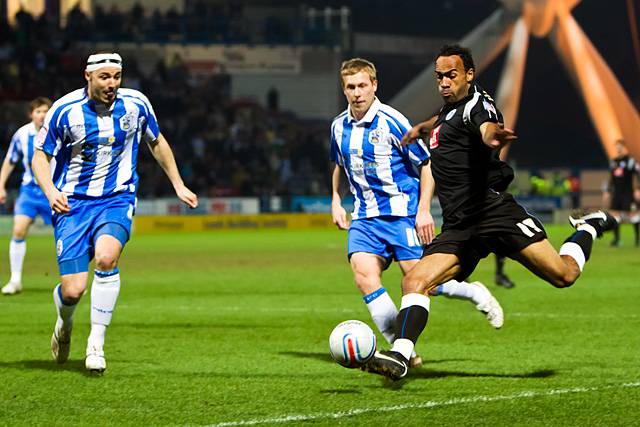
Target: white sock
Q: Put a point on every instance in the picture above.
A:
(104, 294)
(464, 290)
(65, 311)
(383, 312)
(405, 346)
(17, 250)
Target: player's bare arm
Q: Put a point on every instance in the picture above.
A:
(425, 226)
(421, 130)
(42, 171)
(161, 151)
(496, 136)
(5, 172)
(338, 213)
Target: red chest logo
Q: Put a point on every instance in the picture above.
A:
(434, 139)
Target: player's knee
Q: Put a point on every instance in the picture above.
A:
(564, 281)
(19, 232)
(72, 292)
(106, 261)
(413, 283)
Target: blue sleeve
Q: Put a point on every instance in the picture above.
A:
(334, 151)
(15, 151)
(151, 130)
(48, 139)
(417, 153)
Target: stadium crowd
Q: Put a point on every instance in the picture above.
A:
(226, 147)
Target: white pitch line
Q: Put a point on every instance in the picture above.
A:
(426, 405)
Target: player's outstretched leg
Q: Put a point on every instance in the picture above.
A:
(578, 245)
(61, 338)
(411, 321)
(17, 251)
(104, 294)
(384, 313)
(478, 294)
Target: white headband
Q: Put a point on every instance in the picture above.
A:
(100, 60)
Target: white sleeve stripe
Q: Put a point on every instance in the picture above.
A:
(466, 115)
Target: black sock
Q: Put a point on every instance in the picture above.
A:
(410, 322)
(616, 233)
(499, 265)
(583, 239)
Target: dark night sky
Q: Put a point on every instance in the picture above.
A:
(553, 123)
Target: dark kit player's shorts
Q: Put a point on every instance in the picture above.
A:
(622, 201)
(500, 226)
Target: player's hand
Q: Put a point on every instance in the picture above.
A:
(411, 136)
(187, 196)
(502, 136)
(425, 227)
(3, 195)
(58, 201)
(636, 195)
(339, 217)
(606, 198)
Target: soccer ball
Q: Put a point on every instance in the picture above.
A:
(352, 343)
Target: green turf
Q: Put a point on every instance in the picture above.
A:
(233, 326)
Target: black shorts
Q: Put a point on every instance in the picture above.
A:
(622, 201)
(500, 226)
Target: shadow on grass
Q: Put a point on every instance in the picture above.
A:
(429, 373)
(326, 357)
(322, 356)
(45, 365)
(75, 366)
(341, 391)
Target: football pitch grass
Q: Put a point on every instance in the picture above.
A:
(231, 328)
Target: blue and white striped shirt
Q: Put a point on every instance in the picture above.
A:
(383, 175)
(94, 150)
(21, 149)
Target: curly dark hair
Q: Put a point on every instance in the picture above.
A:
(462, 52)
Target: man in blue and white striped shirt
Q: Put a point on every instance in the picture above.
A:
(392, 186)
(31, 202)
(86, 165)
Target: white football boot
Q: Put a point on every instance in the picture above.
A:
(12, 288)
(95, 361)
(60, 344)
(491, 308)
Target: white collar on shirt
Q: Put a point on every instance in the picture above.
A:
(369, 116)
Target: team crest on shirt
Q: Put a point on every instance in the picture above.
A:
(126, 121)
(376, 136)
(450, 114)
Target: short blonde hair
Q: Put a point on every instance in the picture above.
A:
(354, 66)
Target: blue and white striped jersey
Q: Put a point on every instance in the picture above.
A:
(383, 175)
(21, 149)
(95, 150)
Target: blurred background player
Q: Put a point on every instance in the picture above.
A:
(31, 202)
(85, 163)
(501, 278)
(392, 187)
(624, 180)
